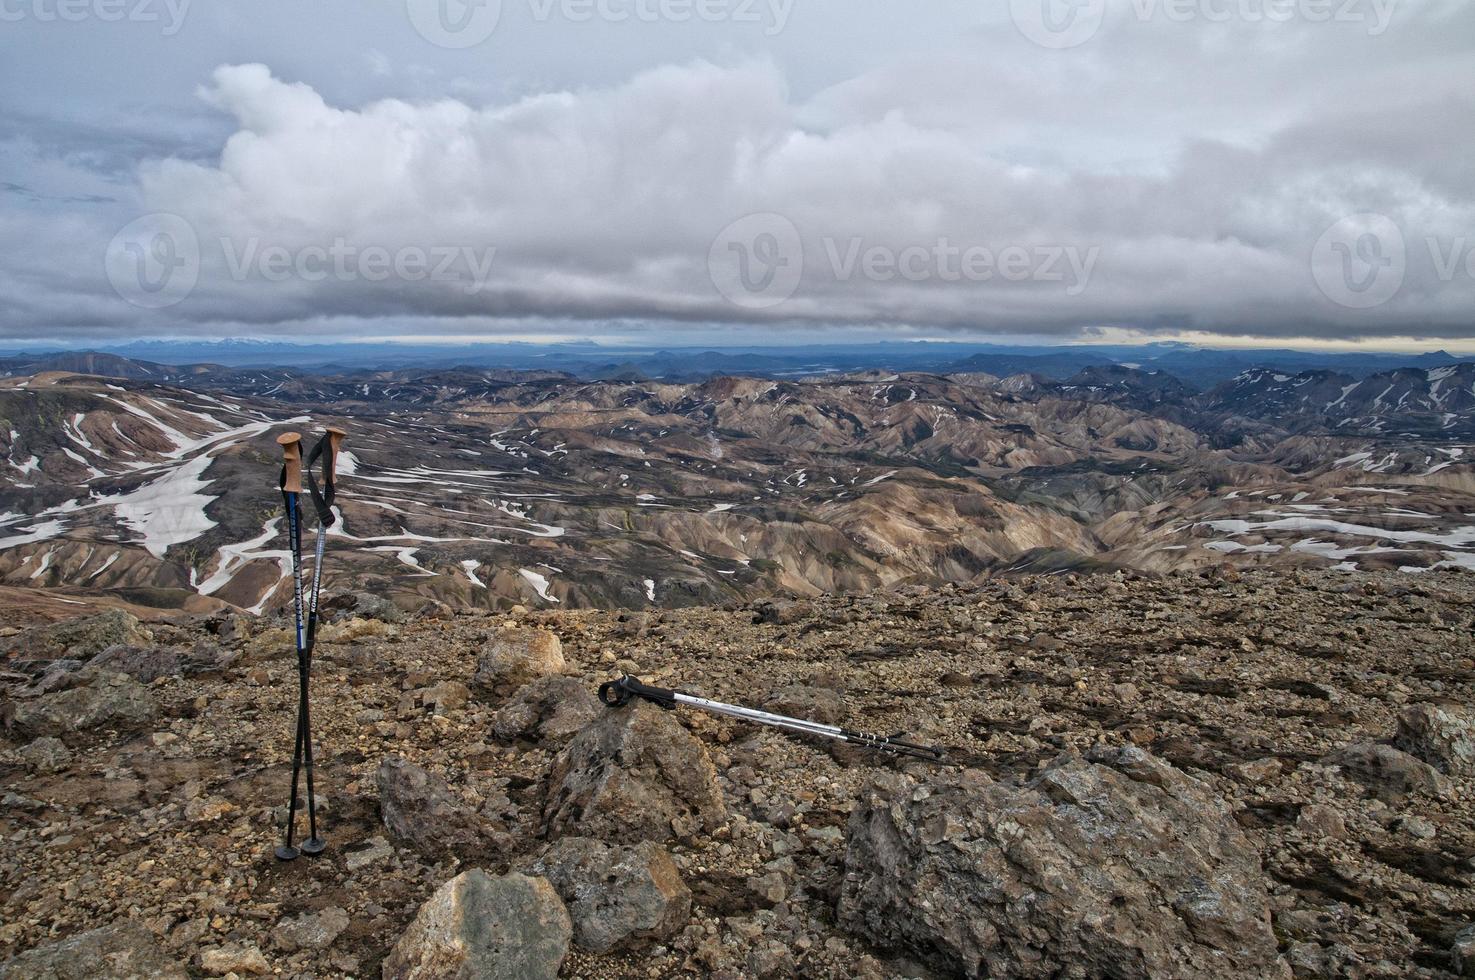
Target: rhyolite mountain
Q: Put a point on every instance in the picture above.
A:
(154, 485)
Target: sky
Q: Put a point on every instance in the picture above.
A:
(1231, 172)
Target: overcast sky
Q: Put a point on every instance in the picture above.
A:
(1223, 170)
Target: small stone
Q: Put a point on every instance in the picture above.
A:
(311, 930)
(378, 851)
(1417, 827)
(515, 656)
(208, 808)
(240, 959)
(1388, 770)
(1318, 821)
(1442, 735)
(1256, 771)
(47, 755)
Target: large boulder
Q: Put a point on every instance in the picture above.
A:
(1388, 771)
(1442, 735)
(633, 775)
(616, 896)
(81, 639)
(419, 809)
(122, 951)
(515, 656)
(1116, 865)
(476, 927)
(108, 700)
(552, 709)
(143, 664)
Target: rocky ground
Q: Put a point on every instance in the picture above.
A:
(1256, 774)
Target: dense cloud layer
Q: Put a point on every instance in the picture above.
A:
(1279, 179)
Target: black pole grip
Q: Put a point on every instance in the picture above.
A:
(617, 694)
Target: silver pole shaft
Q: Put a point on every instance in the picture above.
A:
(762, 717)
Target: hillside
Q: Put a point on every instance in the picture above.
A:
(1303, 740)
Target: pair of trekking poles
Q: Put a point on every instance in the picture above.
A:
(306, 609)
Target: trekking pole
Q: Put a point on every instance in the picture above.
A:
(322, 500)
(619, 693)
(290, 483)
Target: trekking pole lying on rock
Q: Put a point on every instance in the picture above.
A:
(307, 622)
(619, 693)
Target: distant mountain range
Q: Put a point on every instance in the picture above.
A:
(1199, 368)
(137, 481)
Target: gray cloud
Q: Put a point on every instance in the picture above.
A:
(1162, 176)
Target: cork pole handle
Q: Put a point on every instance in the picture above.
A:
(291, 443)
(335, 439)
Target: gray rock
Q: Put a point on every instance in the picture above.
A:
(143, 664)
(550, 709)
(122, 951)
(1462, 953)
(515, 656)
(633, 775)
(810, 703)
(47, 755)
(82, 639)
(1117, 865)
(418, 808)
(1388, 770)
(108, 700)
(58, 675)
(378, 851)
(1442, 735)
(616, 896)
(310, 930)
(782, 612)
(476, 927)
(370, 606)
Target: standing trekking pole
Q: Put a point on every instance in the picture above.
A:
(291, 487)
(619, 693)
(322, 500)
